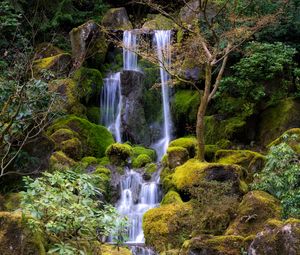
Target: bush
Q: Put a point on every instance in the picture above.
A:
(64, 207)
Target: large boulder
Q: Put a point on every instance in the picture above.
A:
(116, 19)
(88, 42)
(158, 22)
(189, 14)
(277, 119)
(45, 50)
(278, 238)
(133, 116)
(256, 208)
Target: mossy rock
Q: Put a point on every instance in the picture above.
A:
(256, 208)
(94, 138)
(252, 161)
(107, 249)
(141, 161)
(88, 84)
(150, 168)
(194, 171)
(87, 161)
(102, 179)
(166, 179)
(116, 19)
(10, 202)
(189, 143)
(59, 65)
(217, 129)
(177, 156)
(215, 245)
(138, 150)
(158, 22)
(45, 50)
(72, 148)
(172, 197)
(280, 238)
(118, 153)
(62, 135)
(277, 119)
(291, 137)
(93, 114)
(70, 96)
(16, 239)
(167, 226)
(60, 160)
(210, 152)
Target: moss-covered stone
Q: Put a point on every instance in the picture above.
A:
(93, 114)
(63, 134)
(256, 208)
(60, 160)
(172, 197)
(213, 245)
(102, 179)
(189, 143)
(150, 168)
(72, 148)
(45, 50)
(87, 161)
(210, 152)
(116, 19)
(282, 238)
(16, 239)
(104, 161)
(177, 156)
(277, 119)
(167, 227)
(10, 202)
(138, 150)
(118, 153)
(250, 160)
(141, 161)
(107, 249)
(94, 138)
(158, 22)
(59, 65)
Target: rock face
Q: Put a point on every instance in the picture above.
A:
(278, 238)
(133, 115)
(88, 42)
(116, 19)
(188, 13)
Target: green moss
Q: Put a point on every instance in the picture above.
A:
(172, 197)
(256, 208)
(150, 168)
(93, 114)
(177, 156)
(11, 201)
(72, 148)
(102, 170)
(224, 144)
(119, 153)
(107, 249)
(158, 22)
(141, 161)
(291, 137)
(87, 161)
(102, 179)
(210, 152)
(63, 134)
(277, 119)
(138, 150)
(60, 160)
(94, 138)
(189, 143)
(104, 161)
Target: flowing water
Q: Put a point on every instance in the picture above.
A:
(111, 105)
(129, 49)
(162, 40)
(137, 197)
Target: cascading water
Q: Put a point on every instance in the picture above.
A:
(111, 104)
(137, 197)
(129, 49)
(163, 42)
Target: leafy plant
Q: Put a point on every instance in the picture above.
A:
(281, 177)
(65, 207)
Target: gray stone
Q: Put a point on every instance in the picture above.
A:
(116, 19)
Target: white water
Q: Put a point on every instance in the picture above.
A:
(111, 105)
(129, 49)
(163, 46)
(137, 197)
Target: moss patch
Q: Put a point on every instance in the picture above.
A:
(141, 161)
(177, 156)
(158, 22)
(93, 114)
(189, 143)
(138, 150)
(172, 197)
(119, 153)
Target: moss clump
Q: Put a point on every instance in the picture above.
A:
(166, 177)
(10, 202)
(167, 227)
(150, 168)
(210, 152)
(63, 134)
(107, 249)
(158, 22)
(141, 161)
(189, 143)
(250, 160)
(102, 179)
(177, 156)
(87, 161)
(172, 197)
(256, 208)
(93, 114)
(138, 150)
(279, 118)
(104, 161)
(72, 148)
(60, 160)
(118, 153)
(94, 138)
(16, 239)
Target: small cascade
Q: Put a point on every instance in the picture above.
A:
(162, 40)
(111, 105)
(137, 197)
(129, 49)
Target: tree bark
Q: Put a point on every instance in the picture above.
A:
(201, 112)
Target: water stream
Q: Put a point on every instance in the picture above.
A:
(129, 50)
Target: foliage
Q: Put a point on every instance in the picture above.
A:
(65, 207)
(280, 177)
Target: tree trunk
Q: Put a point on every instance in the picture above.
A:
(201, 113)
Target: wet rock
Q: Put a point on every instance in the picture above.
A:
(177, 156)
(116, 19)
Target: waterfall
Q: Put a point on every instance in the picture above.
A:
(111, 105)
(137, 197)
(129, 49)
(162, 40)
